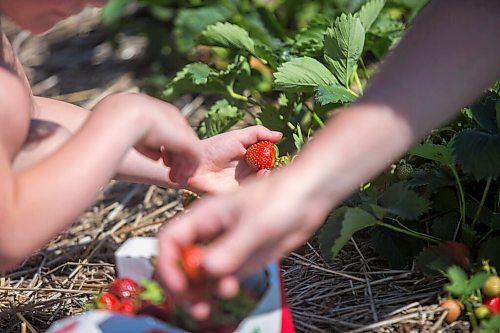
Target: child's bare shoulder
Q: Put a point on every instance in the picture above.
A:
(15, 98)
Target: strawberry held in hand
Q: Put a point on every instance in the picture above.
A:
(261, 155)
(191, 258)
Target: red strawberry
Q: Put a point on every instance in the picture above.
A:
(493, 304)
(128, 307)
(191, 258)
(107, 301)
(124, 288)
(261, 155)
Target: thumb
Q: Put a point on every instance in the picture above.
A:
(231, 252)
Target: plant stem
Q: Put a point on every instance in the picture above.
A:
(483, 199)
(470, 313)
(363, 67)
(461, 201)
(408, 232)
(315, 116)
(235, 95)
(486, 235)
(358, 82)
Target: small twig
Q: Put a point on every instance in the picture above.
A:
(67, 291)
(368, 287)
(304, 262)
(28, 325)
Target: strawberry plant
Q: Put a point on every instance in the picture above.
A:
(482, 310)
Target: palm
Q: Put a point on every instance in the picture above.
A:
(223, 166)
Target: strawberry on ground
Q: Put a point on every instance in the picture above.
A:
(261, 155)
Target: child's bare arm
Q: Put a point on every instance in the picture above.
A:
(222, 167)
(39, 202)
(68, 119)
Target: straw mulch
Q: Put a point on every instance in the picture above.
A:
(354, 293)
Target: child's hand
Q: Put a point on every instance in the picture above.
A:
(163, 133)
(223, 165)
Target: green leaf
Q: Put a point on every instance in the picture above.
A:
(458, 281)
(445, 200)
(396, 248)
(495, 221)
(489, 251)
(378, 211)
(384, 33)
(271, 118)
(401, 201)
(469, 235)
(491, 325)
(477, 281)
(228, 35)
(330, 232)
(333, 94)
(438, 153)
(342, 227)
(114, 10)
(444, 227)
(355, 219)
(460, 285)
(303, 74)
(344, 45)
(198, 77)
(438, 258)
(485, 113)
(369, 12)
(309, 40)
(220, 118)
(152, 292)
(431, 179)
(190, 22)
(478, 153)
(298, 138)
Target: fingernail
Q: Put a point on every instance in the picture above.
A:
(276, 133)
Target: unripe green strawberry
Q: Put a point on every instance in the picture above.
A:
(404, 171)
(481, 312)
(261, 155)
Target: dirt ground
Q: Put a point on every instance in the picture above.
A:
(75, 63)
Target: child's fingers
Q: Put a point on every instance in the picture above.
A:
(149, 153)
(250, 135)
(263, 172)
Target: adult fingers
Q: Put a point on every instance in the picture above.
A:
(229, 253)
(202, 222)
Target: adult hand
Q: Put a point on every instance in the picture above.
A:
(223, 166)
(247, 228)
